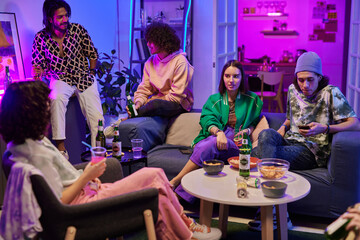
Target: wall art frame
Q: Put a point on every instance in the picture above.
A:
(10, 49)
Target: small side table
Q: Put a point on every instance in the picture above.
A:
(126, 159)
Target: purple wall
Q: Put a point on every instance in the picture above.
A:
(300, 19)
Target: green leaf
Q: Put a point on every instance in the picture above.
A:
(107, 55)
(106, 65)
(136, 74)
(118, 73)
(116, 92)
(127, 87)
(108, 78)
(104, 107)
(121, 80)
(127, 71)
(101, 82)
(134, 87)
(113, 51)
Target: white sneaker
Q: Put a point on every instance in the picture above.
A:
(65, 154)
(202, 232)
(109, 130)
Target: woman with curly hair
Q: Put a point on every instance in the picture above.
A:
(164, 90)
(24, 117)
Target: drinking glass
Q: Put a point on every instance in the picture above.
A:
(97, 154)
(282, 6)
(277, 6)
(266, 6)
(259, 4)
(271, 4)
(137, 146)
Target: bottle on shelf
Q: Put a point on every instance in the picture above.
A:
(116, 144)
(265, 66)
(131, 106)
(8, 79)
(100, 136)
(244, 157)
(337, 229)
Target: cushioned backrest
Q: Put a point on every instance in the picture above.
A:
(184, 129)
(271, 78)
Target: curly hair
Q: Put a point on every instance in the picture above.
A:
(237, 64)
(25, 111)
(163, 36)
(49, 8)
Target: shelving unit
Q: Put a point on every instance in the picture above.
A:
(280, 34)
(183, 27)
(249, 16)
(271, 33)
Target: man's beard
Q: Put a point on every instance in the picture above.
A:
(58, 28)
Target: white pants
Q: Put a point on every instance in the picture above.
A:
(90, 105)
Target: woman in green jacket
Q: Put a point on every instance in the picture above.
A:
(226, 114)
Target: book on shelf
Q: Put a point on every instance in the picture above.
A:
(142, 48)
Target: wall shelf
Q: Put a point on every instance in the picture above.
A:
(280, 34)
(264, 17)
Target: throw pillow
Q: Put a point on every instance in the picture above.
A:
(263, 124)
(184, 129)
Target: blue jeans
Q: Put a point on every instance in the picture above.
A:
(273, 145)
(162, 108)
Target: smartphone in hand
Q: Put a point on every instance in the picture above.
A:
(305, 127)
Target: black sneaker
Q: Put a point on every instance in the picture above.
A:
(256, 223)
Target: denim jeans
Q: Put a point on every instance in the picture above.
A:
(273, 145)
(162, 108)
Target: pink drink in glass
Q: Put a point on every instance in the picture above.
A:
(96, 159)
(97, 154)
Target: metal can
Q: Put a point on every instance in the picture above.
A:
(241, 187)
(253, 182)
(250, 182)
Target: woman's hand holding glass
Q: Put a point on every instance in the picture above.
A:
(93, 171)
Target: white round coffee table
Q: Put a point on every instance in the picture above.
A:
(222, 189)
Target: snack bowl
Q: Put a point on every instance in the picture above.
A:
(273, 189)
(272, 168)
(234, 162)
(213, 167)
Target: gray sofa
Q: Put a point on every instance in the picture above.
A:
(333, 188)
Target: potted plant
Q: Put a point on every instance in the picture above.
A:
(111, 83)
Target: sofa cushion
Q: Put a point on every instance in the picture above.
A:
(168, 157)
(263, 124)
(184, 129)
(151, 129)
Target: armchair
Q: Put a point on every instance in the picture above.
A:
(111, 217)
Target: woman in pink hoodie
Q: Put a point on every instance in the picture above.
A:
(164, 90)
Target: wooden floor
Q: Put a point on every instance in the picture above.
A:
(301, 223)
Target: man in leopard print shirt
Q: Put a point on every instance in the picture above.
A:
(64, 52)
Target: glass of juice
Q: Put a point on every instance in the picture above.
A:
(98, 154)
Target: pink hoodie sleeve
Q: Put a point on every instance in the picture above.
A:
(145, 89)
(179, 87)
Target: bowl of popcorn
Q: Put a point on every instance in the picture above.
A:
(213, 167)
(272, 168)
